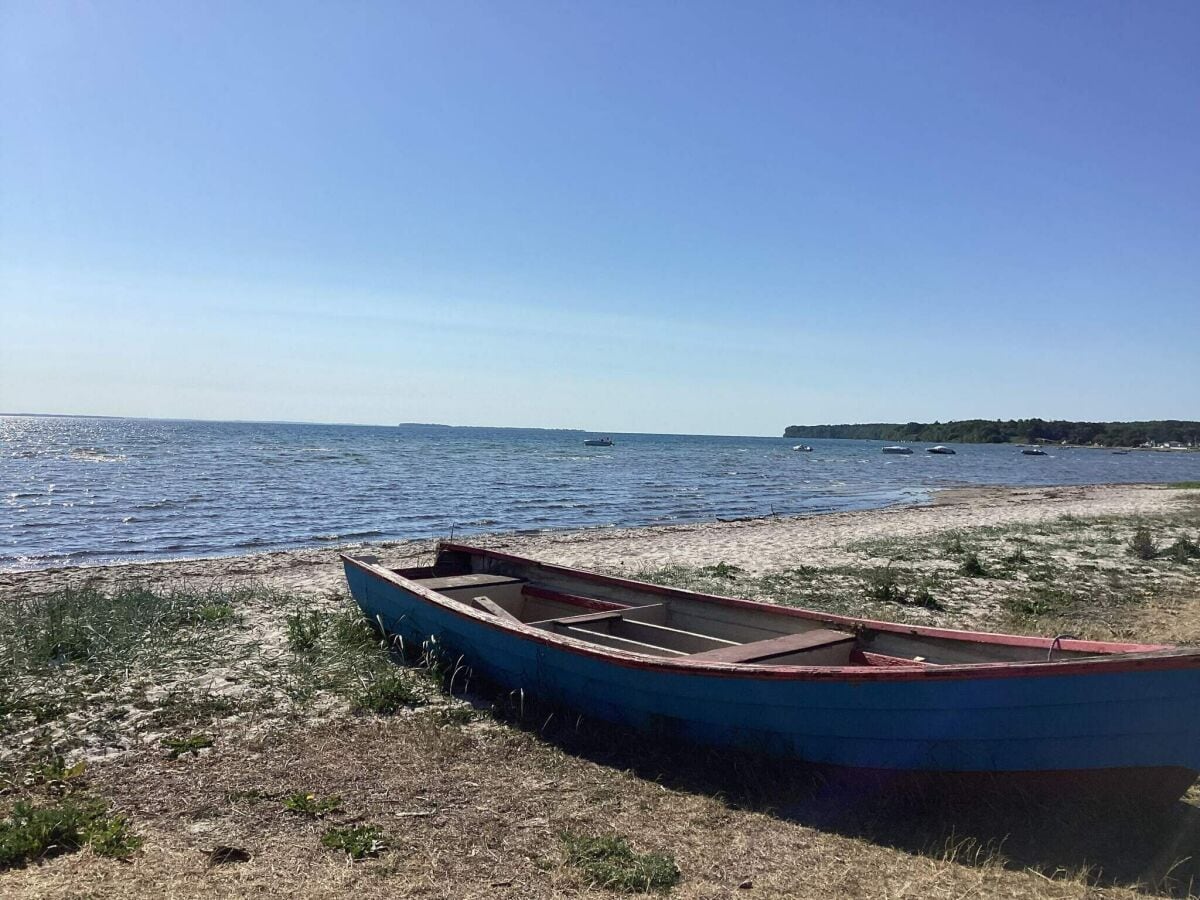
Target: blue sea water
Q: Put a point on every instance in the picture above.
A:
(85, 491)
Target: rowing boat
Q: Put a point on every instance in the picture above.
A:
(831, 690)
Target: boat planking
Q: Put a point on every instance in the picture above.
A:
(834, 691)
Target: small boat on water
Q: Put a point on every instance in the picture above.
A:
(848, 693)
(803, 448)
(1034, 451)
(902, 451)
(941, 451)
(598, 442)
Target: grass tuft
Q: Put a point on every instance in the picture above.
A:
(350, 631)
(304, 631)
(883, 586)
(972, 566)
(609, 862)
(31, 833)
(192, 744)
(1183, 550)
(722, 570)
(359, 842)
(387, 692)
(214, 613)
(1142, 544)
(311, 805)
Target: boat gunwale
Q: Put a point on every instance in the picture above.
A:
(984, 637)
(1144, 657)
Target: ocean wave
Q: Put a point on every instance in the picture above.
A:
(164, 503)
(346, 536)
(92, 454)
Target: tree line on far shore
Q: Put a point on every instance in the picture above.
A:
(1028, 431)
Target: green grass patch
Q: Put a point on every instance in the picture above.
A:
(387, 692)
(30, 833)
(192, 744)
(180, 708)
(311, 805)
(304, 630)
(1186, 485)
(350, 631)
(95, 628)
(609, 862)
(359, 842)
(722, 570)
(884, 586)
(215, 613)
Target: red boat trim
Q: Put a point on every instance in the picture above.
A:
(1153, 661)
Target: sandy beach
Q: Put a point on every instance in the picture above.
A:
(207, 733)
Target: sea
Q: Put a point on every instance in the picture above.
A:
(88, 491)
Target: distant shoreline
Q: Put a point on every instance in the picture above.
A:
(1178, 433)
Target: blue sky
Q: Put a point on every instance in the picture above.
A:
(689, 217)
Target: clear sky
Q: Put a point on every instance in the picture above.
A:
(644, 216)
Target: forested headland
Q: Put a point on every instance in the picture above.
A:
(1019, 431)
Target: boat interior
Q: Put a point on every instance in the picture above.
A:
(662, 622)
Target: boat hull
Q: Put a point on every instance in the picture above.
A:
(1140, 719)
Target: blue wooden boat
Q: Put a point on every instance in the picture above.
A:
(830, 690)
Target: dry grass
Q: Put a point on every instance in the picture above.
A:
(473, 800)
(479, 811)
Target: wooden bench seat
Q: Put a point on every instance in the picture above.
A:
(788, 644)
(605, 616)
(481, 580)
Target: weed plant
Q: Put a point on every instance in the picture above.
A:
(358, 843)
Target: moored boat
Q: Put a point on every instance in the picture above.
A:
(598, 442)
(831, 690)
(1033, 451)
(802, 448)
(898, 450)
(941, 450)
